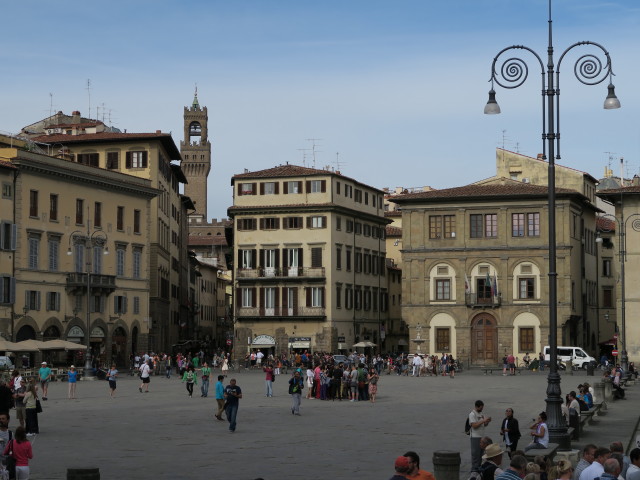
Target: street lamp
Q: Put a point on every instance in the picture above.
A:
(88, 239)
(622, 252)
(512, 73)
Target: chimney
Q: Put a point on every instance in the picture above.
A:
(540, 156)
(635, 181)
(158, 131)
(75, 116)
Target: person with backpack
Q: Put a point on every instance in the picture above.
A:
(363, 394)
(296, 384)
(476, 424)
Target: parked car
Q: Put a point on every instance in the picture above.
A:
(6, 363)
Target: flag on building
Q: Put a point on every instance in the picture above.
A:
(488, 284)
(495, 286)
(467, 285)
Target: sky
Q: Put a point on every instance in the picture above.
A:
(393, 91)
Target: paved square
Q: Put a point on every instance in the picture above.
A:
(165, 434)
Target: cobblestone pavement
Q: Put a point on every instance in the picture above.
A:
(164, 434)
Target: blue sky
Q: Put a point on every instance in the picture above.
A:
(397, 87)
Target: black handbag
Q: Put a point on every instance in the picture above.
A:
(38, 406)
(11, 461)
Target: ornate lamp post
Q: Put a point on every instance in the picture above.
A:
(622, 252)
(511, 73)
(88, 239)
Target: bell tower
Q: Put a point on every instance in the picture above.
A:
(196, 158)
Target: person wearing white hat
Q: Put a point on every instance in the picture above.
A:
(45, 376)
(492, 460)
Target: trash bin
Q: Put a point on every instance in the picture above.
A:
(591, 369)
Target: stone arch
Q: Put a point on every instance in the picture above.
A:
(527, 326)
(442, 270)
(443, 324)
(26, 332)
(118, 353)
(484, 339)
(52, 322)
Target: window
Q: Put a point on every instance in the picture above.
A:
(292, 187)
(358, 298)
(269, 188)
(7, 190)
(269, 223)
(91, 159)
(338, 223)
(526, 288)
(533, 224)
(358, 261)
(8, 232)
(607, 297)
(113, 160)
(79, 211)
(435, 226)
(247, 258)
(443, 289)
(120, 257)
(79, 257)
(483, 225)
(443, 339)
(606, 267)
(53, 301)
(517, 224)
(269, 299)
(120, 218)
(358, 197)
(366, 228)
(136, 305)
(119, 304)
(449, 226)
(136, 159)
(54, 253)
(339, 296)
(338, 188)
(316, 257)
(136, 221)
(247, 224)
(137, 262)
(315, 297)
(53, 207)
(317, 222)
(290, 223)
(32, 299)
(34, 252)
(348, 297)
(247, 297)
(247, 189)
(366, 198)
(348, 260)
(316, 186)
(33, 203)
(97, 214)
(358, 228)
(338, 258)
(7, 289)
(526, 339)
(348, 191)
(367, 298)
(349, 226)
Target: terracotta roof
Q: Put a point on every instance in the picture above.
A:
(472, 191)
(605, 224)
(7, 164)
(613, 191)
(103, 137)
(393, 231)
(94, 123)
(207, 240)
(393, 213)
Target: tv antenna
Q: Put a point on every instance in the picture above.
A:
(89, 95)
(339, 163)
(313, 149)
(304, 155)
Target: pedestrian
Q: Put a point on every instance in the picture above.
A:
(477, 421)
(72, 378)
(220, 397)
(191, 378)
(145, 376)
(16, 378)
(112, 375)
(168, 367)
(31, 404)
(45, 376)
(268, 379)
(205, 373)
(596, 469)
(402, 467)
(540, 434)
(296, 384)
(373, 384)
(225, 366)
(5, 433)
(492, 457)
(18, 397)
(232, 395)
(6, 396)
(563, 470)
(517, 469)
(633, 472)
(510, 431)
(310, 376)
(415, 473)
(20, 449)
(586, 460)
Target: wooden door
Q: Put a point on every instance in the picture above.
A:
(484, 340)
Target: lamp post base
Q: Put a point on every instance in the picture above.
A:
(88, 369)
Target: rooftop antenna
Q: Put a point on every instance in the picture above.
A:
(304, 155)
(339, 164)
(89, 95)
(50, 104)
(313, 149)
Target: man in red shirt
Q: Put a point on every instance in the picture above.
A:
(414, 468)
(511, 360)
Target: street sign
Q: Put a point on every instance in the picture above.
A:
(228, 341)
(615, 336)
(614, 353)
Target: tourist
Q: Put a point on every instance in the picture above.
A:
(5, 433)
(596, 469)
(220, 397)
(45, 376)
(373, 384)
(402, 466)
(225, 366)
(191, 378)
(72, 379)
(477, 421)
(563, 470)
(492, 457)
(296, 384)
(145, 374)
(633, 472)
(587, 459)
(517, 469)
(540, 434)
(269, 377)
(18, 397)
(510, 431)
(414, 472)
(205, 373)
(232, 395)
(31, 404)
(20, 449)
(112, 376)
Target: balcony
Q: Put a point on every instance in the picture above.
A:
(99, 284)
(473, 300)
(294, 312)
(265, 273)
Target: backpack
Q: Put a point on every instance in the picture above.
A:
(467, 426)
(362, 375)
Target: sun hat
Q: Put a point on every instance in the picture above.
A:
(492, 450)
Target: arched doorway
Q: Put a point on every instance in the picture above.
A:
(26, 333)
(119, 347)
(134, 340)
(484, 340)
(51, 333)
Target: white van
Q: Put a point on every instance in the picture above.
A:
(576, 355)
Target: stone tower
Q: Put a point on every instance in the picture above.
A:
(196, 158)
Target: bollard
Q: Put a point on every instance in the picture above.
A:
(608, 389)
(446, 465)
(598, 390)
(83, 474)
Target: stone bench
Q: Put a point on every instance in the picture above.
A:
(549, 452)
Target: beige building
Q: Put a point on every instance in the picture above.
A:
(309, 254)
(147, 156)
(624, 231)
(61, 220)
(475, 270)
